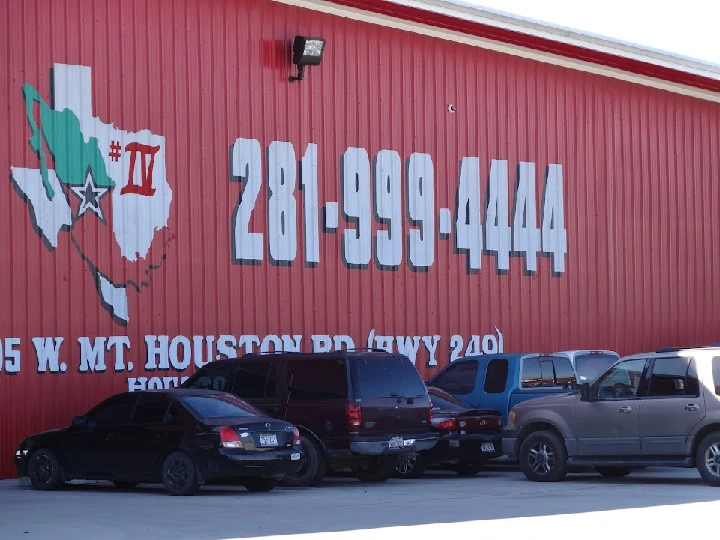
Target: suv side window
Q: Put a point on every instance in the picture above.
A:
(716, 374)
(317, 379)
(255, 378)
(622, 381)
(496, 376)
(459, 378)
(211, 377)
(673, 377)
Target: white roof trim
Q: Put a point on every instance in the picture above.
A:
(481, 15)
(328, 7)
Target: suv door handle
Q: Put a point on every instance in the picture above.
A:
(625, 409)
(692, 407)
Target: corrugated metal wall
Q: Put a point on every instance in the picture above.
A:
(639, 183)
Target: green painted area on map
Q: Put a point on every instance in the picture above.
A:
(73, 156)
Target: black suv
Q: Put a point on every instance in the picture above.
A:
(354, 409)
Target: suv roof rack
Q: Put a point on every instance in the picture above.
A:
(270, 353)
(339, 351)
(676, 349)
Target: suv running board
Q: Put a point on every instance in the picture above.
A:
(630, 462)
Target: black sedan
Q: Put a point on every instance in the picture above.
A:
(182, 438)
(468, 437)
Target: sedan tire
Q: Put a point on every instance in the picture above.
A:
(44, 471)
(543, 457)
(180, 475)
(313, 471)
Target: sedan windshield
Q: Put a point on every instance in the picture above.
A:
(218, 406)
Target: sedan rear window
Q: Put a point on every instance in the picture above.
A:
(218, 407)
(590, 366)
(388, 377)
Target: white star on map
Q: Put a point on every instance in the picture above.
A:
(89, 196)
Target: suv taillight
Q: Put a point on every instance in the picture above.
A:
(354, 417)
(296, 437)
(229, 438)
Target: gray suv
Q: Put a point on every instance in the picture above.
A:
(654, 409)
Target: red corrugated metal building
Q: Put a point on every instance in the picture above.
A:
(447, 181)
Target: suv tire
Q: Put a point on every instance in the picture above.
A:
(543, 457)
(410, 466)
(44, 471)
(179, 474)
(707, 458)
(314, 469)
(377, 469)
(614, 472)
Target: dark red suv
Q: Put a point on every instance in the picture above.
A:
(356, 409)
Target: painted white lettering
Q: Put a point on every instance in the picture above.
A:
(249, 341)
(137, 384)
(92, 357)
(321, 343)
(291, 343)
(554, 235)
(490, 344)
(385, 343)
(282, 211)
(155, 383)
(343, 342)
(246, 168)
(357, 242)
(421, 210)
(498, 235)
(431, 344)
(157, 348)
(408, 345)
(526, 235)
(183, 379)
(500, 341)
(170, 382)
(198, 342)
(226, 347)
(271, 339)
(473, 346)
(48, 352)
(456, 344)
(175, 358)
(311, 208)
(120, 343)
(388, 208)
(12, 355)
(468, 231)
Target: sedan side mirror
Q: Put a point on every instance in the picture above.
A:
(585, 392)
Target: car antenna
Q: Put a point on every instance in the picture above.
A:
(287, 397)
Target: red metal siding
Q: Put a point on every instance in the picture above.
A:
(639, 170)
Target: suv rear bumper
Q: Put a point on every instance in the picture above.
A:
(375, 446)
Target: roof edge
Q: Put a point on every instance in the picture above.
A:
(455, 15)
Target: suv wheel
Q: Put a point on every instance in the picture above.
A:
(376, 469)
(613, 472)
(313, 471)
(543, 457)
(44, 471)
(707, 459)
(410, 466)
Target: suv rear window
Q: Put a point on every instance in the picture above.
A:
(388, 377)
(590, 366)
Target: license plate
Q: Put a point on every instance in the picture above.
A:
(396, 442)
(294, 457)
(268, 440)
(487, 447)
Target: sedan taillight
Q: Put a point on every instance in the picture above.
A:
(229, 438)
(296, 437)
(449, 424)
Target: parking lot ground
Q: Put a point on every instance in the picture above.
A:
(660, 503)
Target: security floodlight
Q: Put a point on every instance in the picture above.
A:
(307, 51)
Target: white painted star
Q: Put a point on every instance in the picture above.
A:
(89, 196)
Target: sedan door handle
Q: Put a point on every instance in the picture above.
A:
(626, 409)
(692, 407)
